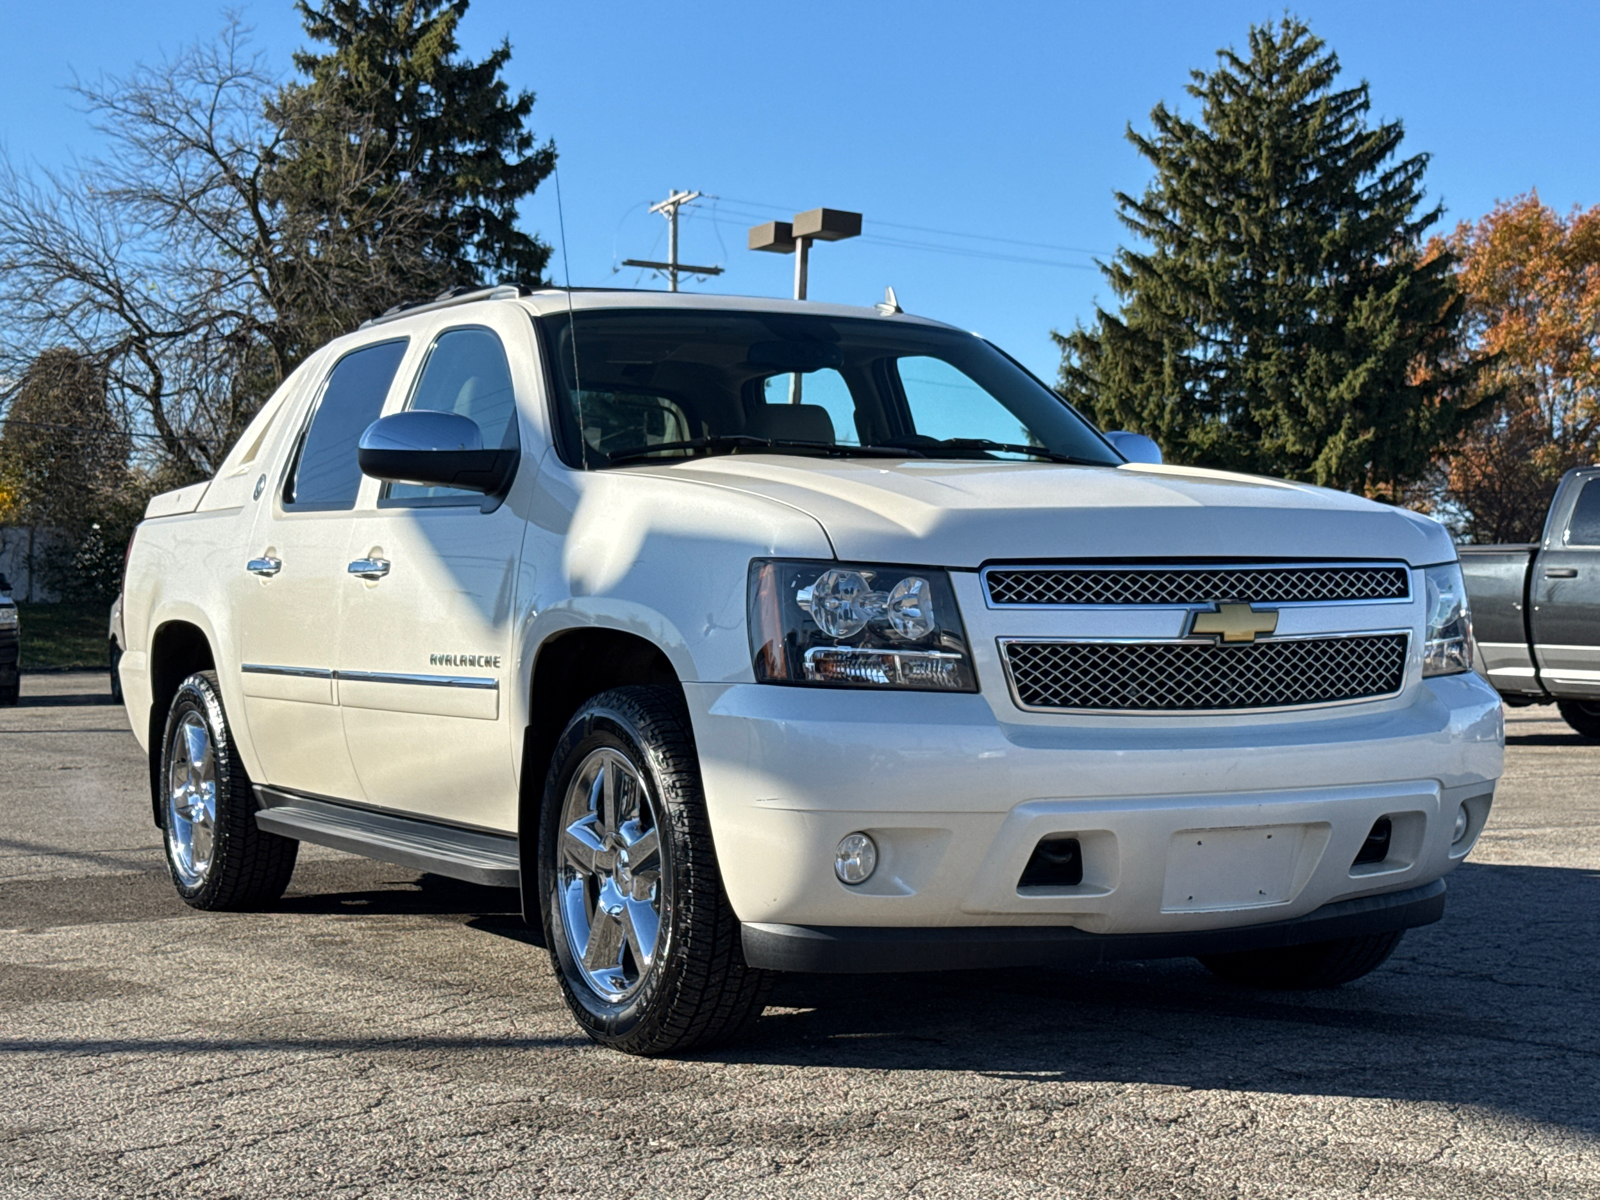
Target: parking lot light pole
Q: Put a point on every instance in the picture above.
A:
(795, 237)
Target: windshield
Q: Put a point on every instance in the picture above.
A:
(654, 384)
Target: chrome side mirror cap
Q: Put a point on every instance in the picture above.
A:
(435, 449)
(1135, 447)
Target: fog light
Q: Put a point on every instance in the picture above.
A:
(856, 860)
(1461, 826)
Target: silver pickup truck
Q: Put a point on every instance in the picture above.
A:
(1536, 608)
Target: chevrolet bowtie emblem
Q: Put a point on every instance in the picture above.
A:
(1235, 622)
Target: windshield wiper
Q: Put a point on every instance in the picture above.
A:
(731, 442)
(1016, 448)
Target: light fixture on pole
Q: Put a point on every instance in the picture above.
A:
(795, 237)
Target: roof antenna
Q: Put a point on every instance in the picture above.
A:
(572, 323)
(889, 305)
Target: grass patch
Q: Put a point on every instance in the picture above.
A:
(64, 635)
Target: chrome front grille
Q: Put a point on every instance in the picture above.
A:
(1111, 585)
(1195, 676)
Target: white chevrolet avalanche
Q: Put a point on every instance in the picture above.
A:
(749, 636)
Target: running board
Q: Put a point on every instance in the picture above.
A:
(467, 854)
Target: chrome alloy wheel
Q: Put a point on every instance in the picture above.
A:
(191, 800)
(609, 895)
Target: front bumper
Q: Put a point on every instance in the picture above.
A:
(867, 950)
(957, 798)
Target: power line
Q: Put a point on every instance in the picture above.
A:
(984, 237)
(964, 252)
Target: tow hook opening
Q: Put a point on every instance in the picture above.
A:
(1057, 861)
(1376, 848)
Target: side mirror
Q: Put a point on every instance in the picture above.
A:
(434, 449)
(1135, 447)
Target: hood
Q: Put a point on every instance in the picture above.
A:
(965, 514)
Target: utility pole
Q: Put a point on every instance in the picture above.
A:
(669, 209)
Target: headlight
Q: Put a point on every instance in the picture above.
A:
(848, 625)
(1449, 646)
(8, 617)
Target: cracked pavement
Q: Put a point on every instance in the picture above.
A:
(380, 1033)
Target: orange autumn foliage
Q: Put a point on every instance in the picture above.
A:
(1531, 279)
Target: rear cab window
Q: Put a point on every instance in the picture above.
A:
(325, 473)
(1583, 527)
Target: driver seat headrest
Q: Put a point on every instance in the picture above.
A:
(791, 422)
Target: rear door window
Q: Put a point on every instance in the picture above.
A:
(466, 373)
(1584, 527)
(326, 473)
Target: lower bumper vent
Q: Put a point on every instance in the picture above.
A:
(1205, 676)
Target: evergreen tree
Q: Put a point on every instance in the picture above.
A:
(443, 131)
(1282, 317)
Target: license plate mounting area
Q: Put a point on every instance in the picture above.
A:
(1214, 870)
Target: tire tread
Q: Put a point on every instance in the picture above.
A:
(250, 867)
(713, 996)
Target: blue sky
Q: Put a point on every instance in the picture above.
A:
(1003, 120)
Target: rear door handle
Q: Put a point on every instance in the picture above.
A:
(266, 565)
(370, 568)
(1561, 572)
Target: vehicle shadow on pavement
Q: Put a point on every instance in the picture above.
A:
(32, 699)
(316, 889)
(1567, 741)
(1494, 1006)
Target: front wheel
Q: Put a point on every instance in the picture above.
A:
(219, 859)
(1314, 965)
(644, 942)
(1583, 716)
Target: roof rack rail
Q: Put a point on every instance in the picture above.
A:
(456, 295)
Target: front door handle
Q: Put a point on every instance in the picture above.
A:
(370, 568)
(1561, 572)
(266, 565)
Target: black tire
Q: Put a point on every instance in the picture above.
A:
(1314, 965)
(116, 679)
(247, 868)
(1583, 716)
(10, 691)
(698, 991)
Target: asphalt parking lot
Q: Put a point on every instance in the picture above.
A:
(385, 1034)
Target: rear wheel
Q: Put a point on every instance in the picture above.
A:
(1314, 965)
(219, 859)
(115, 652)
(10, 689)
(643, 939)
(1583, 716)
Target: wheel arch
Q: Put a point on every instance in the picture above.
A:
(178, 648)
(570, 667)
